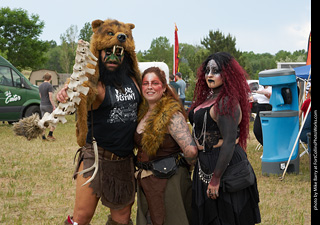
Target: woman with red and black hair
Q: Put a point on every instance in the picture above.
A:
(220, 119)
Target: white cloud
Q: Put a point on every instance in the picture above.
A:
(299, 34)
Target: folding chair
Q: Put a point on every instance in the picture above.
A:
(304, 147)
(258, 147)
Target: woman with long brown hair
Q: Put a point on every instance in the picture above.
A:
(162, 135)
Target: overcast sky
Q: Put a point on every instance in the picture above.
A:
(258, 25)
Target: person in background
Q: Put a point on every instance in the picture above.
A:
(262, 97)
(305, 105)
(47, 103)
(162, 135)
(220, 119)
(307, 125)
(173, 84)
(182, 89)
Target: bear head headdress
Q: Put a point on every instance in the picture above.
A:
(106, 35)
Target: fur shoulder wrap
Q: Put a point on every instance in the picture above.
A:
(157, 123)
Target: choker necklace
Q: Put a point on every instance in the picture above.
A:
(214, 92)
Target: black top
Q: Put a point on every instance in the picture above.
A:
(212, 130)
(115, 121)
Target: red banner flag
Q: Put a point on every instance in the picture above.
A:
(309, 51)
(176, 51)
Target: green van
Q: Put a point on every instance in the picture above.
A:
(18, 97)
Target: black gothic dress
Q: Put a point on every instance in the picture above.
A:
(229, 208)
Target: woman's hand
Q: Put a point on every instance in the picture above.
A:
(213, 188)
(62, 95)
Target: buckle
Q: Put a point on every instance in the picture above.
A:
(116, 157)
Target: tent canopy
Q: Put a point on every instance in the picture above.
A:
(303, 71)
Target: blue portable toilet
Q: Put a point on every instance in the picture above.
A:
(280, 127)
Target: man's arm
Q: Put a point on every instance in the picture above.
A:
(51, 100)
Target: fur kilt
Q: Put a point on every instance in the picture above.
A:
(114, 182)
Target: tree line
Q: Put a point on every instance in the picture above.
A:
(20, 44)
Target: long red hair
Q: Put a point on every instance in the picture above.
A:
(235, 90)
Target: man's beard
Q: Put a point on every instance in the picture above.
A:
(116, 77)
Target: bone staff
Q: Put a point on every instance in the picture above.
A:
(31, 127)
(74, 87)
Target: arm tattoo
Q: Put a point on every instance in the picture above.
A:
(179, 130)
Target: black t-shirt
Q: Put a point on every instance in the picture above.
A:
(115, 121)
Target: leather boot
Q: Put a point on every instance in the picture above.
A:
(111, 222)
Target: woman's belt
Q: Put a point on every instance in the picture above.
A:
(180, 161)
(144, 165)
(218, 145)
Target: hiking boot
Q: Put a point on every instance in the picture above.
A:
(111, 222)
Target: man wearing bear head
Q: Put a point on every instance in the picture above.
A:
(109, 114)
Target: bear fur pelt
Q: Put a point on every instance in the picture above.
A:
(104, 36)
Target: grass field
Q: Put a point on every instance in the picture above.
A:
(36, 185)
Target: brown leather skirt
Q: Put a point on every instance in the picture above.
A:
(114, 182)
(166, 201)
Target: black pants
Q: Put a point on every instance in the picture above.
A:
(257, 129)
